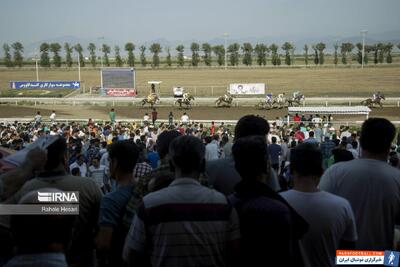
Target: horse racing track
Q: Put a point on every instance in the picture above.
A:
(195, 113)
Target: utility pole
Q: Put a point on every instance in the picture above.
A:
(101, 51)
(226, 36)
(37, 67)
(79, 67)
(363, 33)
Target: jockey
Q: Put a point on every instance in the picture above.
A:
(376, 95)
(268, 97)
(226, 97)
(296, 94)
(280, 97)
(185, 97)
(152, 96)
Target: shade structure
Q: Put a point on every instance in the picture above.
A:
(355, 110)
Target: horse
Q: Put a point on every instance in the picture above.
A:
(265, 104)
(279, 102)
(186, 100)
(224, 101)
(151, 99)
(370, 102)
(296, 100)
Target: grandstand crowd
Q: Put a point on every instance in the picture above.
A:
(260, 193)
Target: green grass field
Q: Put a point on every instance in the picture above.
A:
(312, 81)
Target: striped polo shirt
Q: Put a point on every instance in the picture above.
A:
(185, 224)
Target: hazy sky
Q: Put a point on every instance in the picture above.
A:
(138, 21)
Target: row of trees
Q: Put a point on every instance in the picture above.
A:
(381, 53)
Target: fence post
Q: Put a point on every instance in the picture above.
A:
(195, 91)
(16, 103)
(326, 103)
(35, 103)
(349, 103)
(74, 103)
(304, 103)
(212, 90)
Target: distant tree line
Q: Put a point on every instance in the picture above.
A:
(50, 54)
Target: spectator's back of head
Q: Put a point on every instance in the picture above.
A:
(354, 144)
(207, 139)
(340, 155)
(251, 157)
(377, 135)
(251, 125)
(187, 154)
(124, 154)
(76, 171)
(306, 160)
(273, 139)
(56, 153)
(164, 140)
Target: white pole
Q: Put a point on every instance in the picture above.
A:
(37, 68)
(363, 32)
(79, 67)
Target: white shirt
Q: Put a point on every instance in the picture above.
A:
(146, 118)
(38, 118)
(346, 134)
(97, 174)
(104, 160)
(185, 118)
(211, 152)
(373, 189)
(330, 220)
(82, 168)
(53, 116)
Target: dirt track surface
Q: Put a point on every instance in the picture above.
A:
(199, 113)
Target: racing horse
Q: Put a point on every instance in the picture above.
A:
(265, 103)
(186, 100)
(224, 101)
(296, 100)
(280, 101)
(371, 102)
(151, 99)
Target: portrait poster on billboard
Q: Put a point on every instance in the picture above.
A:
(247, 88)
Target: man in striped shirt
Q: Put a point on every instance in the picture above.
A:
(184, 224)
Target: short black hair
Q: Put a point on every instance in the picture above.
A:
(187, 153)
(340, 155)
(164, 140)
(75, 171)
(126, 153)
(251, 157)
(207, 139)
(306, 160)
(251, 125)
(377, 135)
(55, 154)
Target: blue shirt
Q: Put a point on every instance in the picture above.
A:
(38, 259)
(112, 206)
(274, 150)
(153, 157)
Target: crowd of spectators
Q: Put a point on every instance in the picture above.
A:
(188, 194)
